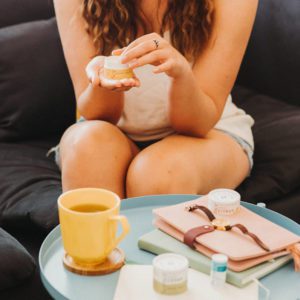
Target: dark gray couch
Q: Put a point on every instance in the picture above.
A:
(37, 105)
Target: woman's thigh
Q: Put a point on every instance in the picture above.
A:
(95, 154)
(181, 164)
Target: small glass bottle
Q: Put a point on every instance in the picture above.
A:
(170, 274)
(218, 270)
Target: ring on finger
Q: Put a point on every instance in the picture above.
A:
(156, 42)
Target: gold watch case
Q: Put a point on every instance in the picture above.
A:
(220, 224)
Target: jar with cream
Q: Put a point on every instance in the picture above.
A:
(114, 70)
(170, 274)
(224, 201)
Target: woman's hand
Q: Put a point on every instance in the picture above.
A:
(94, 72)
(155, 50)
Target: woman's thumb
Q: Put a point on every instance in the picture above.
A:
(92, 73)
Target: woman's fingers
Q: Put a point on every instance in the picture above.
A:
(143, 38)
(135, 43)
(138, 51)
(95, 64)
(92, 69)
(109, 84)
(93, 76)
(118, 52)
(132, 82)
(122, 89)
(116, 85)
(95, 79)
(153, 58)
(137, 81)
(165, 67)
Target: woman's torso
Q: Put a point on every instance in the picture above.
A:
(145, 115)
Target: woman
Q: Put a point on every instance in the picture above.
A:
(173, 128)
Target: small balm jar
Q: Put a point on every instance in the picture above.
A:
(170, 274)
(218, 270)
(224, 201)
(115, 70)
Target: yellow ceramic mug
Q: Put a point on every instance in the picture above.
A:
(88, 219)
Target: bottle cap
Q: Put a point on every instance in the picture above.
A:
(170, 263)
(224, 201)
(219, 262)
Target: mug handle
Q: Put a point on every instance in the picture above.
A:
(125, 226)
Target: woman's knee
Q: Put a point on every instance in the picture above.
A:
(160, 172)
(92, 137)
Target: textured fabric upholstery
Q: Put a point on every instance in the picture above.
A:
(20, 11)
(36, 95)
(272, 62)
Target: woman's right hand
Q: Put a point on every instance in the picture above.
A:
(94, 72)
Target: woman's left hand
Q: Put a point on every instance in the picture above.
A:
(155, 50)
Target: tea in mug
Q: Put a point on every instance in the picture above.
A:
(89, 208)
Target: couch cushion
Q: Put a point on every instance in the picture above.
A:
(16, 263)
(29, 186)
(288, 205)
(276, 132)
(33, 288)
(272, 61)
(19, 11)
(36, 94)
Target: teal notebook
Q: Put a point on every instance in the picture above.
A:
(158, 242)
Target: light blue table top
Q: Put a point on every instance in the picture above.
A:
(62, 284)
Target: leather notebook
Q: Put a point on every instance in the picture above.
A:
(242, 249)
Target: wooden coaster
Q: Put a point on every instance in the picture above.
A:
(114, 262)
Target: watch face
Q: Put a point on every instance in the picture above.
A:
(220, 224)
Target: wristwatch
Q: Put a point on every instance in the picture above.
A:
(216, 224)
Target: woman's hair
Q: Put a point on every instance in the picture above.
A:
(114, 23)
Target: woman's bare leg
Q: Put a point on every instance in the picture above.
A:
(188, 165)
(95, 154)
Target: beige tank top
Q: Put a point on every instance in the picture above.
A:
(145, 115)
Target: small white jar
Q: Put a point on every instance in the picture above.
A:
(224, 201)
(170, 272)
(115, 70)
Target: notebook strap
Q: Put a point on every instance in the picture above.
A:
(256, 239)
(204, 209)
(192, 234)
(220, 224)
